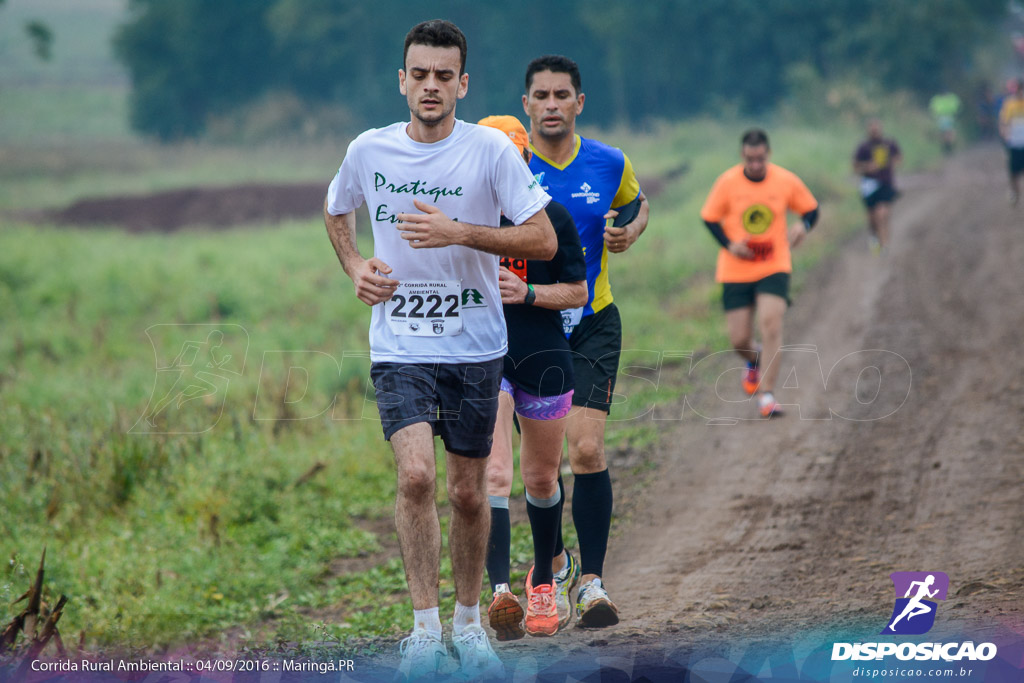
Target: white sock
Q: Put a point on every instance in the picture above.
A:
(561, 573)
(429, 619)
(465, 616)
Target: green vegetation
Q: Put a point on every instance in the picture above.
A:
(640, 61)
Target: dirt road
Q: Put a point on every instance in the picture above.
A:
(906, 452)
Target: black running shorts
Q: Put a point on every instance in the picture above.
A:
(743, 294)
(885, 193)
(458, 400)
(596, 344)
(1016, 160)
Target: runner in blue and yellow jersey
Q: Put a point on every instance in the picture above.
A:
(596, 183)
(596, 178)
(1011, 130)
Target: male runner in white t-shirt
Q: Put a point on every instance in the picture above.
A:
(436, 188)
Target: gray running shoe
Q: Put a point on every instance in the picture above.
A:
(594, 609)
(565, 581)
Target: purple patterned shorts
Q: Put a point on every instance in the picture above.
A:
(538, 407)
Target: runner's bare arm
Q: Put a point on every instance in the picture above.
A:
(557, 297)
(367, 274)
(534, 238)
(621, 239)
(798, 231)
(561, 295)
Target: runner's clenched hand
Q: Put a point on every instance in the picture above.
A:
(741, 250)
(371, 285)
(619, 239)
(513, 289)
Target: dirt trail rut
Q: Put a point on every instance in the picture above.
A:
(909, 458)
(800, 517)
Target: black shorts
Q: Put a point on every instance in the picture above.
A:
(1015, 157)
(458, 400)
(743, 294)
(884, 193)
(596, 344)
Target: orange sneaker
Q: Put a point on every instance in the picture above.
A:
(505, 615)
(541, 612)
(768, 406)
(751, 378)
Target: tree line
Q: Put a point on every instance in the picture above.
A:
(191, 59)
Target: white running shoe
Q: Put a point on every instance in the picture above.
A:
(565, 581)
(477, 660)
(423, 657)
(594, 609)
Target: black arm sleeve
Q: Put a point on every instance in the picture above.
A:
(718, 233)
(627, 213)
(810, 218)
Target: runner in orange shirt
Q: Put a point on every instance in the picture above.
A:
(746, 213)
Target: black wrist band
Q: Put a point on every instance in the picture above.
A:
(531, 295)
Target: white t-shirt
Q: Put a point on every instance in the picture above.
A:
(1016, 137)
(474, 175)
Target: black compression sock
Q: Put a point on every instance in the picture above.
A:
(592, 514)
(543, 522)
(559, 547)
(498, 553)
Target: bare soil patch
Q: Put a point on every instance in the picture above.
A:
(209, 207)
(218, 207)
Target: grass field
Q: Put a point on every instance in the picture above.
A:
(260, 513)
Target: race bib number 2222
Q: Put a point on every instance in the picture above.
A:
(421, 308)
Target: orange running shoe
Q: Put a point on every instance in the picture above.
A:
(505, 615)
(541, 612)
(751, 378)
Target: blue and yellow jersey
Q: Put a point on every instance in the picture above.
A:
(595, 179)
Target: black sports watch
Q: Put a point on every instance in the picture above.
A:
(531, 295)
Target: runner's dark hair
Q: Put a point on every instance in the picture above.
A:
(755, 137)
(557, 64)
(437, 33)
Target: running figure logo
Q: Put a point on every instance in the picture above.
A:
(916, 592)
(206, 358)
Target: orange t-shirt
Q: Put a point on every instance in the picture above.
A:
(755, 212)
